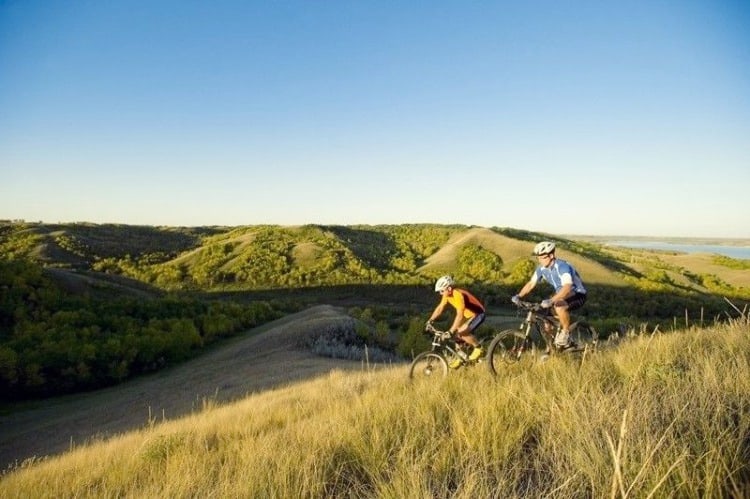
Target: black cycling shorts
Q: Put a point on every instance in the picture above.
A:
(475, 322)
(576, 301)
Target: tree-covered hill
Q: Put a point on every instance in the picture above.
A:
(283, 257)
(84, 305)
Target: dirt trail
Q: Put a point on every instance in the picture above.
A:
(267, 357)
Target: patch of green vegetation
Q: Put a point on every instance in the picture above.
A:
(522, 235)
(731, 263)
(478, 264)
(53, 342)
(18, 242)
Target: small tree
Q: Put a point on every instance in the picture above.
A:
(413, 340)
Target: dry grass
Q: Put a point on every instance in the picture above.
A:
(704, 264)
(306, 255)
(661, 416)
(642, 260)
(507, 248)
(267, 357)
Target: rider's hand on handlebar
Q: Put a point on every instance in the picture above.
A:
(546, 303)
(516, 300)
(428, 326)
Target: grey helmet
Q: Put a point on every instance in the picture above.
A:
(544, 248)
(443, 283)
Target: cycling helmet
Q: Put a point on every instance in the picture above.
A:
(544, 248)
(443, 283)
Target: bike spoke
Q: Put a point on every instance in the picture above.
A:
(428, 365)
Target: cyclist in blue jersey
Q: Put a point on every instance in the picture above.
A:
(570, 293)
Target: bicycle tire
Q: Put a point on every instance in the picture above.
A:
(508, 347)
(428, 365)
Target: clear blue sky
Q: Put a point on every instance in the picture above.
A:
(580, 117)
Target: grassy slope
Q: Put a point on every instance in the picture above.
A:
(103, 285)
(663, 415)
(510, 251)
(262, 359)
(703, 264)
(507, 248)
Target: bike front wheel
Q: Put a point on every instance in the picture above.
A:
(428, 365)
(508, 347)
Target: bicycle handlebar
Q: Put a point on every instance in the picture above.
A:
(443, 335)
(527, 305)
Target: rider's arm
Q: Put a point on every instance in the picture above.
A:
(526, 289)
(438, 310)
(562, 293)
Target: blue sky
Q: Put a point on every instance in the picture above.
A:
(579, 117)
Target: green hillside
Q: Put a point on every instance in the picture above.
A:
(84, 306)
(282, 257)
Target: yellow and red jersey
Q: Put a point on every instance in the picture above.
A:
(462, 299)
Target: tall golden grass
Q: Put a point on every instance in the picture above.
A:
(666, 415)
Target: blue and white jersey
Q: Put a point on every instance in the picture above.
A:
(558, 274)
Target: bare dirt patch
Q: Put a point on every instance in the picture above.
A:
(306, 254)
(265, 358)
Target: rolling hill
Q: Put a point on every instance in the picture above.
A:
(324, 266)
(285, 257)
(86, 306)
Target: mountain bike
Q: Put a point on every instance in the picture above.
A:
(534, 339)
(436, 362)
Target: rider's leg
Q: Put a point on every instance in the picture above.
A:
(466, 335)
(562, 339)
(468, 328)
(562, 310)
(563, 314)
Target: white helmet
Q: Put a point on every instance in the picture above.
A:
(544, 248)
(443, 283)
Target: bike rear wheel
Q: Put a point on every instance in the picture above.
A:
(507, 348)
(428, 365)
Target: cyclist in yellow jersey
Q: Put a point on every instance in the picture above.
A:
(469, 314)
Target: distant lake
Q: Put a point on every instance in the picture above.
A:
(738, 252)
